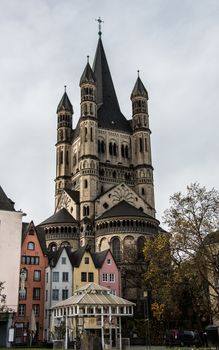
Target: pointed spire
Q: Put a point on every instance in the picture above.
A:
(108, 113)
(65, 104)
(139, 89)
(88, 74)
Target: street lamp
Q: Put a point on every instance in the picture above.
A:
(147, 324)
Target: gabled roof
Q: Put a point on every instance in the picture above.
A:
(77, 256)
(65, 104)
(108, 110)
(93, 294)
(5, 202)
(139, 89)
(123, 209)
(60, 217)
(75, 195)
(26, 227)
(100, 257)
(87, 75)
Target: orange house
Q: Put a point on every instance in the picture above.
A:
(31, 287)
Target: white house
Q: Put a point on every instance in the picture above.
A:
(10, 246)
(58, 283)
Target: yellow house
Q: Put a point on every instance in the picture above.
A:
(84, 269)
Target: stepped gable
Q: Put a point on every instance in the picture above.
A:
(61, 217)
(124, 209)
(108, 111)
(5, 202)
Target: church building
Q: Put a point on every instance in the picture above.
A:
(104, 190)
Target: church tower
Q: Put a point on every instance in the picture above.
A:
(88, 160)
(63, 145)
(142, 144)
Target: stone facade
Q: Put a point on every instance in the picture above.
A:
(104, 172)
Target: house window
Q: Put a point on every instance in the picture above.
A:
(30, 246)
(37, 275)
(83, 276)
(90, 276)
(21, 310)
(112, 277)
(64, 276)
(113, 292)
(46, 295)
(64, 294)
(108, 261)
(36, 309)
(30, 260)
(105, 277)
(36, 293)
(55, 294)
(63, 260)
(23, 294)
(47, 277)
(55, 276)
(86, 260)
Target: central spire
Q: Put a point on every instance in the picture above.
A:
(108, 110)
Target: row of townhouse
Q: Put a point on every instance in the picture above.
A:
(49, 277)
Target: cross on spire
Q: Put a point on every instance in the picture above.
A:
(99, 20)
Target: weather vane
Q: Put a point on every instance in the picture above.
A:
(99, 20)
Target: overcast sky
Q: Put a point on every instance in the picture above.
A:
(44, 44)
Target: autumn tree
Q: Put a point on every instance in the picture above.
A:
(193, 221)
(181, 263)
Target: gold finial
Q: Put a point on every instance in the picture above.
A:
(138, 71)
(65, 88)
(99, 20)
(88, 58)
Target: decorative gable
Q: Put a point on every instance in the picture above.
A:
(116, 195)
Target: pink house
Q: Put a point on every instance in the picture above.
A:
(109, 273)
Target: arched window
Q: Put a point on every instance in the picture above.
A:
(146, 145)
(114, 149)
(61, 157)
(85, 134)
(126, 151)
(122, 151)
(142, 190)
(30, 245)
(140, 247)
(52, 247)
(110, 148)
(91, 134)
(140, 145)
(85, 184)
(116, 249)
(102, 147)
(99, 146)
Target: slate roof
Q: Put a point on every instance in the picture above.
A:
(87, 75)
(77, 256)
(139, 89)
(99, 258)
(65, 104)
(75, 195)
(108, 110)
(5, 202)
(123, 209)
(61, 217)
